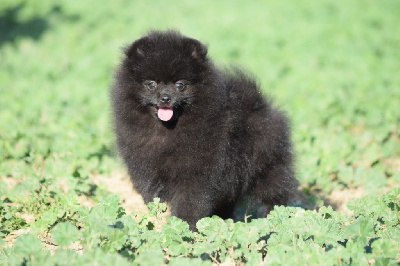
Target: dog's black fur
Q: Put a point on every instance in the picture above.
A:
(224, 141)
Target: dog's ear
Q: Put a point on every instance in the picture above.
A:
(136, 49)
(197, 49)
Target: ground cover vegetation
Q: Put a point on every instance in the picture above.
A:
(333, 66)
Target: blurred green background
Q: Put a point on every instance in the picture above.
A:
(332, 65)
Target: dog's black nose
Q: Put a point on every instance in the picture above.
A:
(165, 98)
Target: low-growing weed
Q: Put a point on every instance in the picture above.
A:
(287, 235)
(331, 65)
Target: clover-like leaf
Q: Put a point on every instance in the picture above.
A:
(63, 234)
(28, 244)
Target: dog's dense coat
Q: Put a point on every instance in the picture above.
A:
(195, 136)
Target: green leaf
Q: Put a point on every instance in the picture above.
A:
(62, 255)
(246, 234)
(28, 245)
(386, 208)
(63, 234)
(175, 229)
(177, 236)
(150, 258)
(5, 254)
(212, 226)
(48, 218)
(111, 203)
(176, 248)
(385, 262)
(385, 248)
(156, 208)
(128, 225)
(200, 248)
(99, 257)
(115, 239)
(362, 229)
(105, 213)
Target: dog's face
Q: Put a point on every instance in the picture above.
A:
(167, 71)
(167, 99)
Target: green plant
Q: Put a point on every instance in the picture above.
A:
(290, 235)
(331, 65)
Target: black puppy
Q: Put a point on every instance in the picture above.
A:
(195, 136)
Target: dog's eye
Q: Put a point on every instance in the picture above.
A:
(180, 86)
(151, 85)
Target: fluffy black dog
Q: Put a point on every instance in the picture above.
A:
(195, 136)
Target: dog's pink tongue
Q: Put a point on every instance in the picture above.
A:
(165, 114)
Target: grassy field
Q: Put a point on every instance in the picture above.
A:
(334, 67)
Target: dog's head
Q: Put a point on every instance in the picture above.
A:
(167, 69)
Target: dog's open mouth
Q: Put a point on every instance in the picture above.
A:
(165, 114)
